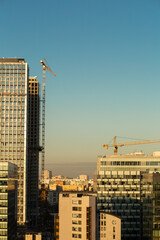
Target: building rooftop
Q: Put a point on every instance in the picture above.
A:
(7, 60)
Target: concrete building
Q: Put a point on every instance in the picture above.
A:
(119, 188)
(84, 177)
(19, 130)
(8, 201)
(33, 151)
(47, 174)
(53, 197)
(110, 227)
(77, 216)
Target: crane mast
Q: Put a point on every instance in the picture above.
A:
(43, 116)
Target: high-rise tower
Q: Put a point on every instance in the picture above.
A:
(33, 152)
(13, 123)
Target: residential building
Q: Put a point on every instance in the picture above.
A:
(77, 216)
(33, 151)
(119, 188)
(8, 201)
(47, 174)
(110, 227)
(84, 177)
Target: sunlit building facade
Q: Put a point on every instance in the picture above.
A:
(77, 216)
(13, 122)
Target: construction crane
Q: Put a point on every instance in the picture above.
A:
(116, 145)
(43, 115)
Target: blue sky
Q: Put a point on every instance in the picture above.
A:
(106, 55)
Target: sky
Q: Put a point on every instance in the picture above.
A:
(106, 55)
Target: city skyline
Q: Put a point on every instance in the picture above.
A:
(106, 57)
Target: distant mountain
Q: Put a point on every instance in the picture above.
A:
(72, 169)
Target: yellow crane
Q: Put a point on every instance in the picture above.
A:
(116, 145)
(43, 115)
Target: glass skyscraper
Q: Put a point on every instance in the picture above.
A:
(13, 122)
(16, 110)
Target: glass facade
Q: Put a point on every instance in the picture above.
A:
(150, 189)
(13, 123)
(8, 200)
(119, 189)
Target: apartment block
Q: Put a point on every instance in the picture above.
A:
(77, 216)
(8, 201)
(119, 188)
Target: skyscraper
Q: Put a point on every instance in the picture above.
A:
(33, 152)
(13, 123)
(19, 132)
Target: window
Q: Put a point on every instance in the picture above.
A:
(76, 208)
(76, 215)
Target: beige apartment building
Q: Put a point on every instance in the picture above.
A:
(77, 216)
(110, 227)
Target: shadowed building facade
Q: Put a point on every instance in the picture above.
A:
(119, 188)
(8, 201)
(33, 151)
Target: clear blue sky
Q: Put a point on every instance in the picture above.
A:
(106, 55)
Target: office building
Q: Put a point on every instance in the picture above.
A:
(8, 201)
(150, 197)
(33, 151)
(77, 216)
(119, 188)
(110, 227)
(13, 122)
(19, 131)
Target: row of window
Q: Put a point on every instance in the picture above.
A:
(12, 66)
